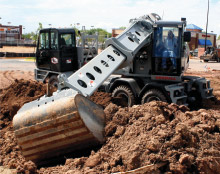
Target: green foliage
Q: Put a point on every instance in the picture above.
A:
(33, 35)
(103, 34)
(219, 37)
(28, 35)
(123, 28)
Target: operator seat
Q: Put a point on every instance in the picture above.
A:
(62, 42)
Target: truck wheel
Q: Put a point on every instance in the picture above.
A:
(125, 95)
(153, 95)
(205, 60)
(53, 81)
(52, 85)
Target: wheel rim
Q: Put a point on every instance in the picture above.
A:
(152, 98)
(54, 84)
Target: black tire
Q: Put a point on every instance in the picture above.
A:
(53, 81)
(125, 94)
(153, 95)
(52, 85)
(205, 60)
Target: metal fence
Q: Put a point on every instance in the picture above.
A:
(17, 42)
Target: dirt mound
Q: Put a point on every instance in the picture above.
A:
(12, 99)
(166, 136)
(101, 98)
(15, 96)
(169, 137)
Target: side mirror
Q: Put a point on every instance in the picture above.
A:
(187, 36)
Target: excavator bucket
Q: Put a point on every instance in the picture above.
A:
(54, 126)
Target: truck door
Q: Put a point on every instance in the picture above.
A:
(43, 51)
(68, 54)
(54, 51)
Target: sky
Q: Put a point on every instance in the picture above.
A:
(106, 14)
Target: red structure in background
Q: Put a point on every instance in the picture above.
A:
(9, 34)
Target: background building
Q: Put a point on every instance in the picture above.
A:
(10, 34)
(218, 43)
(116, 31)
(198, 37)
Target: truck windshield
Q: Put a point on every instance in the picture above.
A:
(166, 50)
(67, 40)
(166, 42)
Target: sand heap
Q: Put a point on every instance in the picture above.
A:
(11, 100)
(168, 137)
(15, 96)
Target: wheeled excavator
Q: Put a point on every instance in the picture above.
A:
(68, 120)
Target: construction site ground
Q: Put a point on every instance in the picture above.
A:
(152, 138)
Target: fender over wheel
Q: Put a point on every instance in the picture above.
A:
(125, 95)
(153, 95)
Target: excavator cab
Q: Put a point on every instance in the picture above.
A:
(169, 49)
(56, 50)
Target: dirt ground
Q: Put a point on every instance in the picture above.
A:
(18, 49)
(8, 77)
(152, 138)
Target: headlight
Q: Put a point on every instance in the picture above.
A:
(177, 93)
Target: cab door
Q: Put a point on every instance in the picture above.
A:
(54, 51)
(43, 51)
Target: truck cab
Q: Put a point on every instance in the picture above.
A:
(56, 50)
(170, 55)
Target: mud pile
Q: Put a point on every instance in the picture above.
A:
(167, 138)
(12, 99)
(15, 96)
(101, 98)
(157, 136)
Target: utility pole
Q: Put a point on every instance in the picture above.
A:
(0, 35)
(207, 25)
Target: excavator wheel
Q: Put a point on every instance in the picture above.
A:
(125, 95)
(53, 81)
(52, 85)
(153, 95)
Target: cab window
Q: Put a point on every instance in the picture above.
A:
(67, 40)
(166, 50)
(54, 40)
(166, 42)
(44, 41)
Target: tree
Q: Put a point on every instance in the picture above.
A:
(218, 37)
(103, 34)
(123, 28)
(33, 35)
